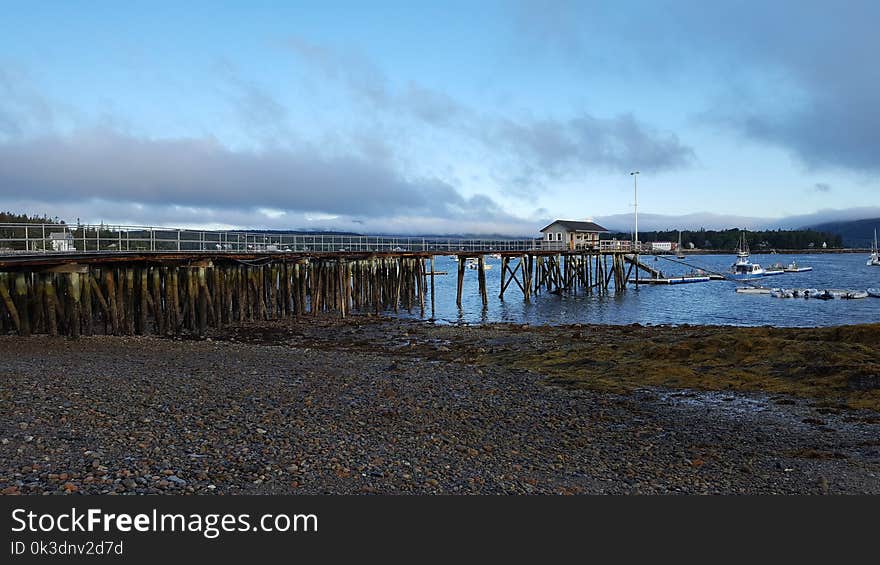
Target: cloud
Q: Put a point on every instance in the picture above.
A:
(526, 150)
(798, 74)
(557, 147)
(196, 180)
(821, 187)
(22, 107)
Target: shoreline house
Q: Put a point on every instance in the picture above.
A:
(573, 234)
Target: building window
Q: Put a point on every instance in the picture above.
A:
(558, 236)
(549, 237)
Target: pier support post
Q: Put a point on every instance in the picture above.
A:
(21, 301)
(461, 268)
(432, 287)
(10, 305)
(481, 275)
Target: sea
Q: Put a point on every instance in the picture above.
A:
(707, 303)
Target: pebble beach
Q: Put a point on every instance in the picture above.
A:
(382, 406)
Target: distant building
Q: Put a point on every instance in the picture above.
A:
(573, 234)
(662, 246)
(61, 241)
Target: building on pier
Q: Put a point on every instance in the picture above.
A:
(62, 241)
(574, 234)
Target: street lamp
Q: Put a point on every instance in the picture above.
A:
(635, 176)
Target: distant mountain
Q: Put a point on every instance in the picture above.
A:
(855, 233)
(823, 220)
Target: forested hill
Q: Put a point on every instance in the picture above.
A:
(728, 239)
(12, 218)
(855, 233)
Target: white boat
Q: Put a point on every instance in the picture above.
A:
(474, 264)
(874, 259)
(832, 293)
(495, 256)
(743, 269)
(875, 292)
(793, 267)
(856, 294)
(782, 293)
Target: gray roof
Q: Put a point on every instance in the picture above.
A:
(573, 225)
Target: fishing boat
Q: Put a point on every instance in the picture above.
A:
(874, 259)
(793, 267)
(679, 253)
(743, 269)
(856, 294)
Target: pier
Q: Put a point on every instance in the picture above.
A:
(133, 280)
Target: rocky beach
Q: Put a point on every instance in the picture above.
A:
(371, 405)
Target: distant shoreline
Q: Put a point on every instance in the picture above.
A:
(769, 252)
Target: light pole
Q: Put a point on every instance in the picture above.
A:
(635, 176)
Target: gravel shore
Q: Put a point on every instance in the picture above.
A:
(392, 406)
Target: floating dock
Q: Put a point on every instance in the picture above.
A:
(675, 280)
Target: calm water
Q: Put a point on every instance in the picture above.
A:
(713, 302)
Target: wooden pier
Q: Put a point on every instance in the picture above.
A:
(60, 279)
(169, 293)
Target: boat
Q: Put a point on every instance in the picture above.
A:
(793, 267)
(874, 259)
(474, 264)
(830, 294)
(679, 253)
(874, 292)
(743, 269)
(852, 294)
(495, 256)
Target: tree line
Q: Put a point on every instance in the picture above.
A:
(13, 218)
(729, 239)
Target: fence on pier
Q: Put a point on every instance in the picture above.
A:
(81, 238)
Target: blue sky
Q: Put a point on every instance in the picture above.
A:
(439, 118)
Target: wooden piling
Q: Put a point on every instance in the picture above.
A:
(21, 303)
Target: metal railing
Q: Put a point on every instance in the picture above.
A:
(103, 238)
(65, 238)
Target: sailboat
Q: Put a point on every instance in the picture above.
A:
(680, 253)
(874, 259)
(744, 269)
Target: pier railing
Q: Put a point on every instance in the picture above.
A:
(103, 238)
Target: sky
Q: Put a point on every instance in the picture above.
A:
(438, 118)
